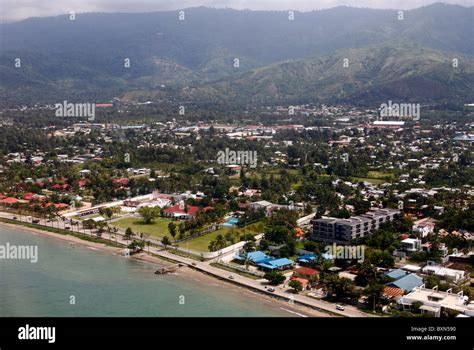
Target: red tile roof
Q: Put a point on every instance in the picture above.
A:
(61, 205)
(403, 236)
(299, 232)
(306, 271)
(192, 210)
(9, 200)
(121, 181)
(393, 292)
(28, 196)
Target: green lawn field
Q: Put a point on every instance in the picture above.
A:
(158, 228)
(201, 244)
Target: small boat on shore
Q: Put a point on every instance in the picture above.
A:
(167, 269)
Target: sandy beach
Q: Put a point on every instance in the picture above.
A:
(185, 272)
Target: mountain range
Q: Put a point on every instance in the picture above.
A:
(344, 54)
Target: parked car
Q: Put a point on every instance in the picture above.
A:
(231, 277)
(271, 289)
(35, 221)
(339, 307)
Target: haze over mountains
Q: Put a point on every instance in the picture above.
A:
(280, 61)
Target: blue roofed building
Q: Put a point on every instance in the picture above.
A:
(306, 258)
(404, 280)
(265, 262)
(276, 264)
(254, 257)
(396, 273)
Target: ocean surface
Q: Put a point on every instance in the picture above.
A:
(74, 280)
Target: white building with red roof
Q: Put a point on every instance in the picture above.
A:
(181, 211)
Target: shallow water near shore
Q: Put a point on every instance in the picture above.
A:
(75, 280)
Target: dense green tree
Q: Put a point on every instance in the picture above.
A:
(149, 214)
(297, 286)
(274, 278)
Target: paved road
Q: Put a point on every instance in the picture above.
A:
(158, 249)
(349, 311)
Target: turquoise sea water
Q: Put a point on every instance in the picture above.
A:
(103, 284)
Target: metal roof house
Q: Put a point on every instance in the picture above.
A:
(404, 280)
(265, 262)
(408, 282)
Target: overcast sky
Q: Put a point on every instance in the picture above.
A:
(13, 10)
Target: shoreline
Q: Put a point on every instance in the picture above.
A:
(184, 272)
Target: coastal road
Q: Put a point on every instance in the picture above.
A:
(349, 311)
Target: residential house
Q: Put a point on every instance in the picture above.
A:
(180, 211)
(403, 280)
(411, 245)
(445, 273)
(434, 301)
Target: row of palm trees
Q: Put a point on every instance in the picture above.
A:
(52, 215)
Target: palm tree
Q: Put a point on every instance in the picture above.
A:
(374, 291)
(101, 227)
(128, 233)
(109, 231)
(247, 261)
(217, 244)
(220, 242)
(337, 287)
(212, 246)
(182, 228)
(50, 217)
(55, 218)
(172, 229)
(115, 210)
(166, 241)
(249, 246)
(83, 227)
(59, 218)
(367, 274)
(115, 231)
